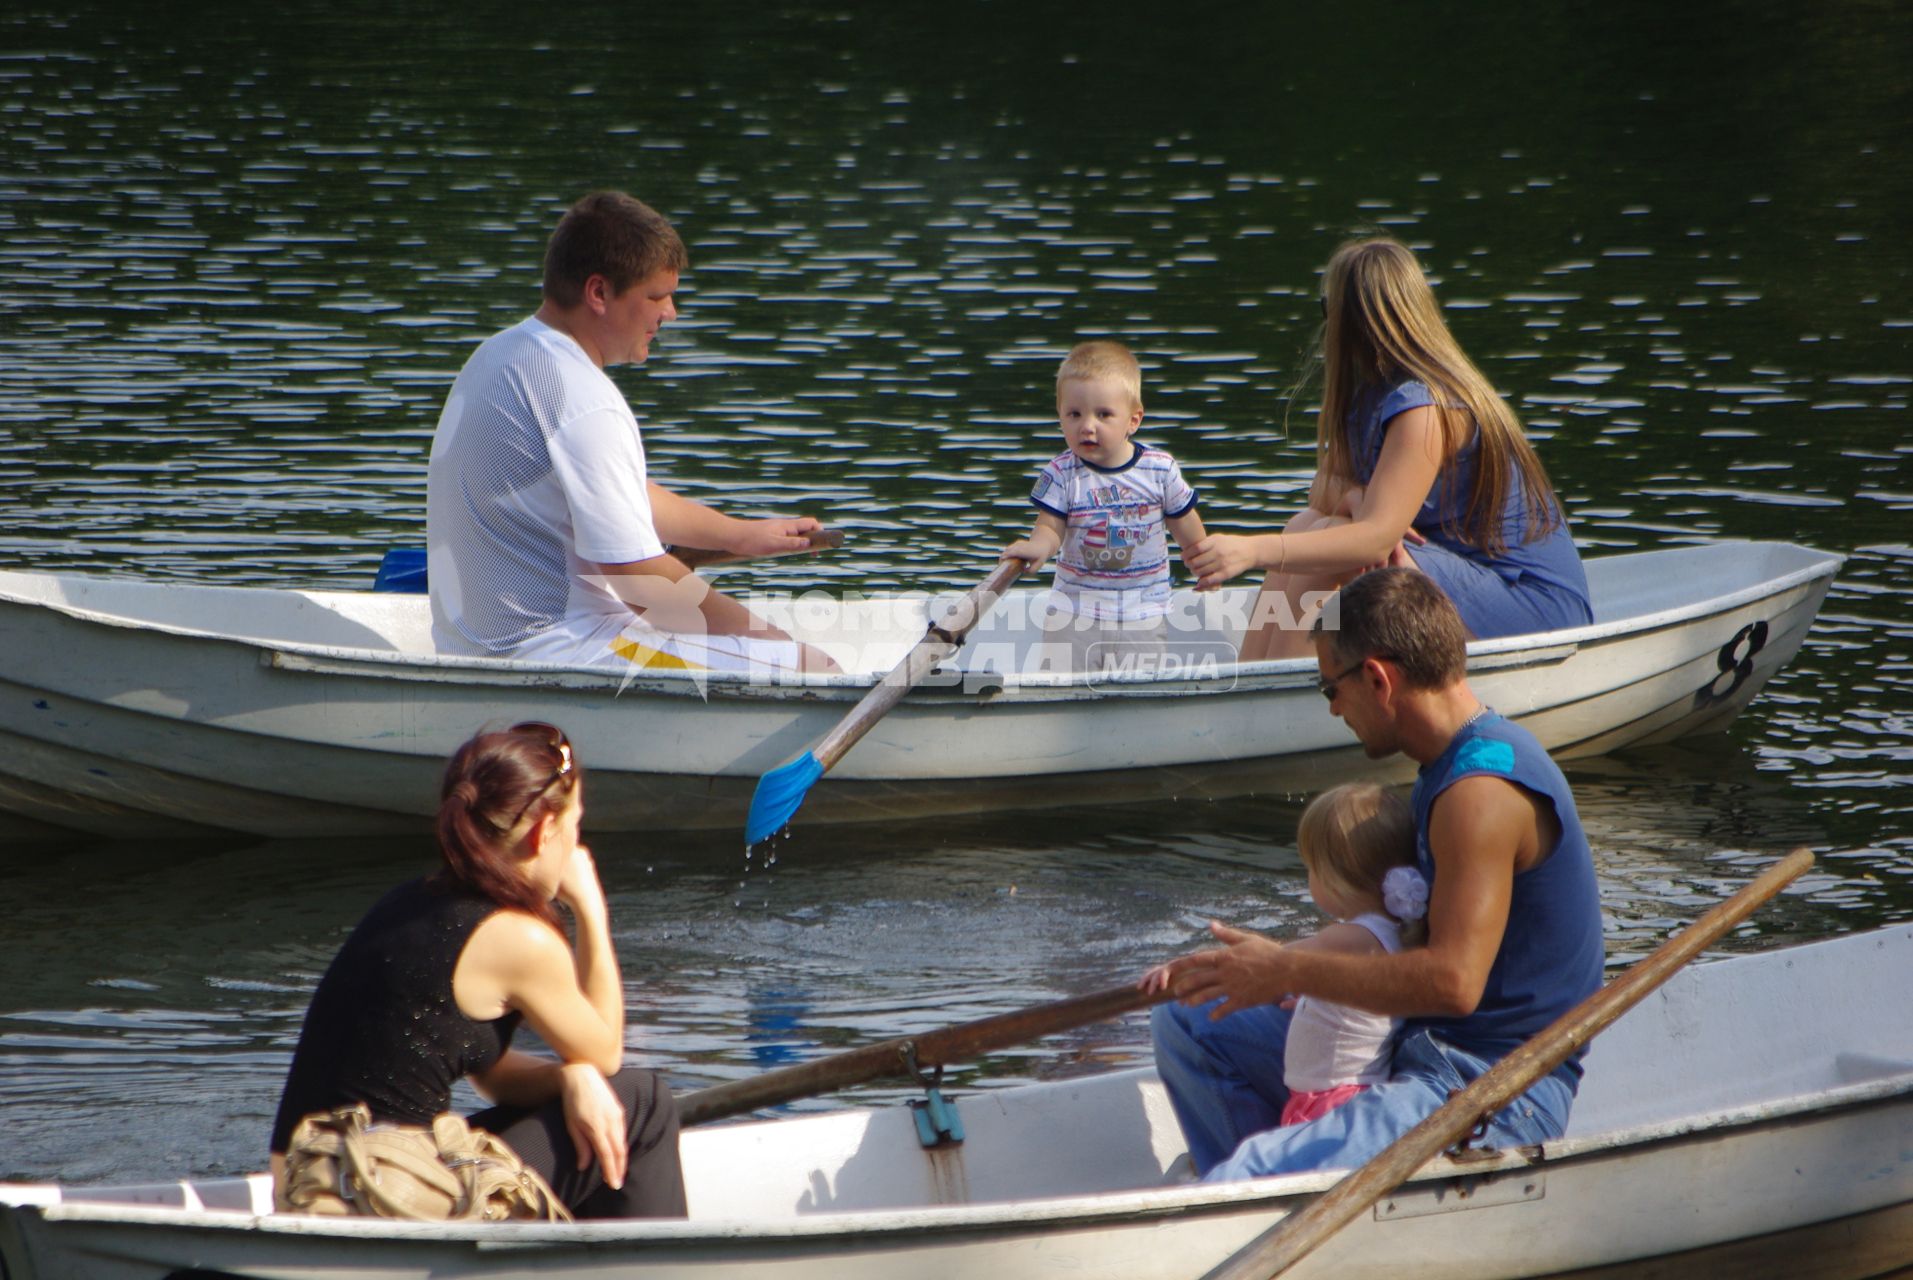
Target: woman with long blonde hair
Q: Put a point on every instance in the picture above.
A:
(1418, 463)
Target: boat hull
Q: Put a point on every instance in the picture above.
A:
(1556, 1232)
(139, 710)
(1795, 1155)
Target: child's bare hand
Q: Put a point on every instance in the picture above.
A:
(1157, 979)
(1029, 551)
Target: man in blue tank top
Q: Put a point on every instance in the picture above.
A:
(1514, 920)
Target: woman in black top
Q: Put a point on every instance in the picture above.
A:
(436, 977)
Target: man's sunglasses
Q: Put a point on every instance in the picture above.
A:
(1327, 687)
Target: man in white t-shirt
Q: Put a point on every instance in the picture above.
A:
(545, 536)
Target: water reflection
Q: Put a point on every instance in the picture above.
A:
(238, 271)
(158, 994)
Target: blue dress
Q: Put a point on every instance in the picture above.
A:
(1529, 586)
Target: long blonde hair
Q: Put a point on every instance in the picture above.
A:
(1353, 835)
(1383, 323)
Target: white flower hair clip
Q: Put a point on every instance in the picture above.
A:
(1405, 894)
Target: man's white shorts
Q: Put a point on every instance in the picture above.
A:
(624, 643)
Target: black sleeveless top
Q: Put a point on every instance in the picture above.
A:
(384, 1028)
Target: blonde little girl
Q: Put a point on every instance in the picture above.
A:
(1357, 842)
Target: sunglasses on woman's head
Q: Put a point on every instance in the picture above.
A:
(553, 737)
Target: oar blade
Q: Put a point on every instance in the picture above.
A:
(782, 790)
(779, 794)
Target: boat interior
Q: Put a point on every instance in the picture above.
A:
(1725, 1043)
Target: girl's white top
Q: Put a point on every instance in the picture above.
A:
(1332, 1044)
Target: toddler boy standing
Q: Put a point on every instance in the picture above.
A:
(1102, 508)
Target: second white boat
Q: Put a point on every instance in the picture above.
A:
(144, 709)
(1752, 1118)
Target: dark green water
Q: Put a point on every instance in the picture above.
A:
(240, 263)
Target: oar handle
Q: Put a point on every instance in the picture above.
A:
(1296, 1236)
(942, 638)
(946, 1045)
(701, 558)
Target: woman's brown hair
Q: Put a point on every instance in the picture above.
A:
(494, 786)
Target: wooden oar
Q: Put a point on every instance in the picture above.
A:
(700, 558)
(782, 790)
(941, 1047)
(1296, 1236)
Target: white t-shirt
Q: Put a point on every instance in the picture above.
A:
(1331, 1044)
(537, 475)
(1114, 561)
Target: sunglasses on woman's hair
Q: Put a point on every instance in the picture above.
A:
(553, 737)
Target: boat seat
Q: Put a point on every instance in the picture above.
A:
(250, 1193)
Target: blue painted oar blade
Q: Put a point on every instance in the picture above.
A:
(778, 795)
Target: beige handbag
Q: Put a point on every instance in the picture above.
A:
(341, 1164)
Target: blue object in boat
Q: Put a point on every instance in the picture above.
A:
(938, 1124)
(403, 569)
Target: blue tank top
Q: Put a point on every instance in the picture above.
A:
(1551, 953)
(1549, 568)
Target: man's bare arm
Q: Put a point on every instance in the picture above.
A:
(1479, 829)
(682, 522)
(672, 598)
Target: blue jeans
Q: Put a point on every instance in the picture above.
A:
(1225, 1083)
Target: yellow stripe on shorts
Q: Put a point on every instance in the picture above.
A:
(643, 655)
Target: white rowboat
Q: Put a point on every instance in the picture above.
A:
(147, 709)
(1751, 1118)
